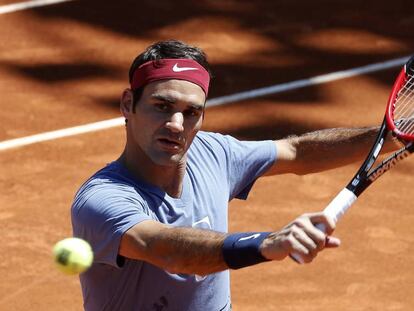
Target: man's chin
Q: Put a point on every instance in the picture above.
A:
(169, 161)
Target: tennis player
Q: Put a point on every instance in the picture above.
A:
(157, 217)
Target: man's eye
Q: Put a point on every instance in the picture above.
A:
(162, 107)
(192, 113)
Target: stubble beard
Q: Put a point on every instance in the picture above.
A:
(166, 159)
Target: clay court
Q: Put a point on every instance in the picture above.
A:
(66, 64)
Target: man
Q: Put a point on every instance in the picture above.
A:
(157, 216)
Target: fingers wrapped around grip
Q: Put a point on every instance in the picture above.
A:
(300, 236)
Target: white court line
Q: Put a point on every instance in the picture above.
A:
(279, 88)
(23, 141)
(14, 7)
(71, 131)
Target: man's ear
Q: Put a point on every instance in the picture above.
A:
(127, 103)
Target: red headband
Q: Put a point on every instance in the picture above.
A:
(163, 69)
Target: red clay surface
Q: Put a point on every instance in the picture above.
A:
(66, 65)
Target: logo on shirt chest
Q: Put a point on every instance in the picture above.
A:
(203, 223)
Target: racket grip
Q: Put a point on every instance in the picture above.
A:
(335, 210)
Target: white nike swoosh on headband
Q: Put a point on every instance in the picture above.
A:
(179, 69)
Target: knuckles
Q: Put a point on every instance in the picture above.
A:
(301, 236)
(301, 221)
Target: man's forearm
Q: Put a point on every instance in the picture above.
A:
(185, 250)
(326, 149)
(331, 148)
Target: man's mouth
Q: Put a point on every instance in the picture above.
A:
(169, 144)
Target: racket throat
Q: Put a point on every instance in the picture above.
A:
(390, 162)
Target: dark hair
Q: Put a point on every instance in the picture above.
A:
(167, 49)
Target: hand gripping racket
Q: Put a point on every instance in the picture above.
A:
(399, 119)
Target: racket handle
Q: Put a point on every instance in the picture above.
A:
(335, 210)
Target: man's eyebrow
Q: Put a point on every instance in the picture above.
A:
(164, 98)
(173, 100)
(196, 107)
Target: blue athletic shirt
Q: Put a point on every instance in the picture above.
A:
(219, 168)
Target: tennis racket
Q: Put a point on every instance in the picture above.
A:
(399, 120)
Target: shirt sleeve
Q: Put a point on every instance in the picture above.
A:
(243, 161)
(102, 213)
(247, 161)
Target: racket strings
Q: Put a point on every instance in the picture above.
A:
(404, 106)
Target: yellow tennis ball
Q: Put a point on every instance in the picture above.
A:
(72, 255)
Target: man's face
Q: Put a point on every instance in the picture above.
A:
(167, 117)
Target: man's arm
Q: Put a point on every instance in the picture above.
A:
(197, 251)
(325, 149)
(175, 249)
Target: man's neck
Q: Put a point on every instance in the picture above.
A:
(168, 178)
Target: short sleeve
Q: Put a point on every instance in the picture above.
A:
(243, 161)
(247, 161)
(102, 213)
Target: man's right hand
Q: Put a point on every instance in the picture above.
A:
(302, 237)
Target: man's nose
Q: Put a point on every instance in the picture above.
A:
(176, 123)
